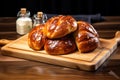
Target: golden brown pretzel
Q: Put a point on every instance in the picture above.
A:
(36, 38)
(60, 26)
(86, 37)
(59, 46)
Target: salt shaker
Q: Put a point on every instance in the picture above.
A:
(24, 22)
(39, 18)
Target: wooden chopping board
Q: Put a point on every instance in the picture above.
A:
(85, 61)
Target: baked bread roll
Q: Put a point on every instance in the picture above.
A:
(36, 38)
(60, 46)
(86, 37)
(60, 26)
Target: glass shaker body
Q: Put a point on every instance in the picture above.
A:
(39, 18)
(23, 23)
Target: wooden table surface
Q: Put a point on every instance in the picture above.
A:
(12, 68)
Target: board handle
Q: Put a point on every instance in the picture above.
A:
(4, 41)
(117, 36)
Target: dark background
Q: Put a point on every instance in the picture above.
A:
(9, 8)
